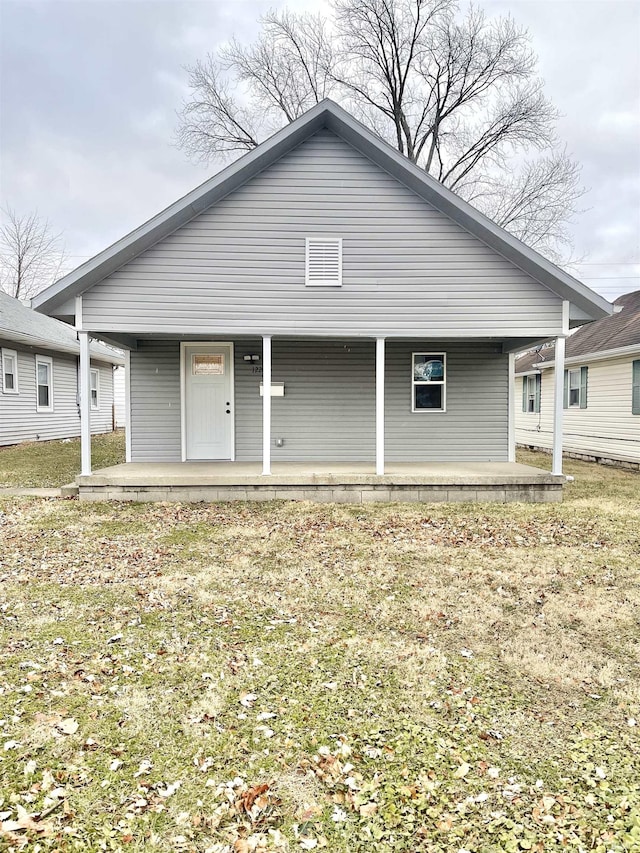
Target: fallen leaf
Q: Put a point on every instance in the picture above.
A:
(68, 726)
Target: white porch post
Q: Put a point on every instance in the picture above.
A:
(512, 411)
(127, 404)
(85, 404)
(558, 390)
(266, 404)
(558, 403)
(380, 406)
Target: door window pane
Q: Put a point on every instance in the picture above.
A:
(207, 364)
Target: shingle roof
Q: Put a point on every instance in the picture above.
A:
(611, 333)
(22, 325)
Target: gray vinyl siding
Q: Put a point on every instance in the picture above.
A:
(328, 411)
(155, 402)
(474, 426)
(19, 420)
(239, 267)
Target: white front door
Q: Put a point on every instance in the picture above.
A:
(208, 401)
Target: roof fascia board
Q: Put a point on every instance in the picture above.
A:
(36, 343)
(602, 355)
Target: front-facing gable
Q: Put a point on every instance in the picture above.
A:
(230, 257)
(239, 267)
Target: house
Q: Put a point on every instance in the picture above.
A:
(321, 318)
(39, 384)
(601, 390)
(119, 397)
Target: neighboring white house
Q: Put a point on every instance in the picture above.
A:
(39, 397)
(601, 390)
(119, 397)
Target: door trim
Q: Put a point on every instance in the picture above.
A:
(183, 393)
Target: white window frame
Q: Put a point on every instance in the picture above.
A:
(94, 372)
(442, 382)
(44, 359)
(10, 353)
(531, 394)
(322, 238)
(533, 390)
(574, 372)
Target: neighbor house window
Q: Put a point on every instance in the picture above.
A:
(95, 389)
(531, 392)
(44, 383)
(323, 264)
(428, 379)
(9, 371)
(575, 388)
(635, 387)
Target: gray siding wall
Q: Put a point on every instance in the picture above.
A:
(19, 420)
(239, 268)
(155, 402)
(328, 411)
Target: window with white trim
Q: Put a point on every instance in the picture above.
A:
(44, 383)
(9, 371)
(323, 262)
(428, 382)
(531, 393)
(95, 388)
(575, 388)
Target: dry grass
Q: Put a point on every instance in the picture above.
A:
(44, 464)
(356, 659)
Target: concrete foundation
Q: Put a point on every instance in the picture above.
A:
(499, 482)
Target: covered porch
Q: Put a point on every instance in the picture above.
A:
(340, 482)
(355, 420)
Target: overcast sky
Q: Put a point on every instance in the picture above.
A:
(89, 89)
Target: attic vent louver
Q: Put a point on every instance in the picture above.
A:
(324, 262)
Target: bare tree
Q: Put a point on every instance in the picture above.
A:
(457, 94)
(31, 254)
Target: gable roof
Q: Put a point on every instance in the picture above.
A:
(326, 114)
(21, 325)
(611, 333)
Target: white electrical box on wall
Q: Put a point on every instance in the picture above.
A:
(277, 389)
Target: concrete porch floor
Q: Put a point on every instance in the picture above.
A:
(352, 482)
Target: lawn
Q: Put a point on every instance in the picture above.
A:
(56, 463)
(288, 676)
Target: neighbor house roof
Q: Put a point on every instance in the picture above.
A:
(611, 334)
(22, 325)
(327, 115)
